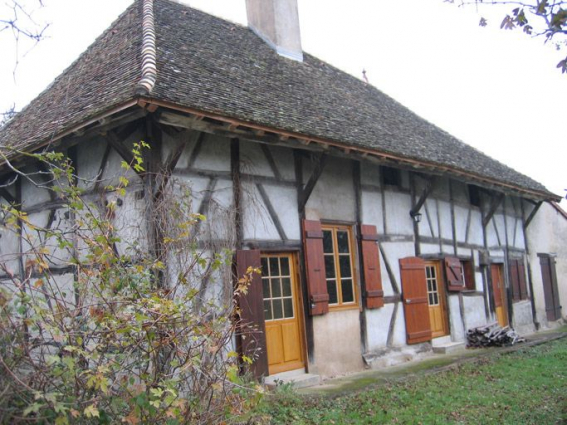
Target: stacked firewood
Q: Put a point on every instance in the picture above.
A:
(492, 336)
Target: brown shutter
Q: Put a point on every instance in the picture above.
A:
(514, 279)
(251, 335)
(468, 267)
(315, 267)
(522, 280)
(414, 295)
(373, 293)
(454, 274)
(550, 292)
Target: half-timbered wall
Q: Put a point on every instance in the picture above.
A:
(256, 195)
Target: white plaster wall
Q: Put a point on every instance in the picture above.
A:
(461, 221)
(369, 173)
(9, 245)
(475, 231)
(377, 326)
(89, 158)
(474, 311)
(398, 220)
(258, 224)
(430, 227)
(253, 160)
(337, 342)
(214, 154)
(455, 319)
(333, 195)
(31, 194)
(523, 321)
(190, 143)
(372, 210)
(547, 234)
(284, 201)
(444, 209)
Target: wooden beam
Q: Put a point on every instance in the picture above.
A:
(236, 190)
(320, 163)
(269, 157)
(496, 201)
(532, 215)
(7, 196)
(102, 167)
(114, 141)
(424, 194)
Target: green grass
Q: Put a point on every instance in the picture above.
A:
(528, 386)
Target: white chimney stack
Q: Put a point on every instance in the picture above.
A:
(277, 23)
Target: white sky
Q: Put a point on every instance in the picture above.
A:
(498, 91)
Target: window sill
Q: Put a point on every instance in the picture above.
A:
(344, 307)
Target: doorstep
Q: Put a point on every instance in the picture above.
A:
(297, 378)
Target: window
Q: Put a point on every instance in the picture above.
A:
(474, 195)
(337, 250)
(459, 274)
(518, 280)
(390, 176)
(277, 288)
(432, 289)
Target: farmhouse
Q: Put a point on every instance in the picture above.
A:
(379, 235)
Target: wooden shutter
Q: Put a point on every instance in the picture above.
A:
(514, 279)
(373, 293)
(454, 274)
(522, 280)
(550, 292)
(496, 285)
(315, 267)
(414, 296)
(251, 334)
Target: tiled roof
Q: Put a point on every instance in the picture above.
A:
(212, 65)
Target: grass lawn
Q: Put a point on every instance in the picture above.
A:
(528, 386)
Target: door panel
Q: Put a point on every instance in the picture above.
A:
(436, 300)
(499, 293)
(282, 314)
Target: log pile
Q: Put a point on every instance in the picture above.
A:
(492, 336)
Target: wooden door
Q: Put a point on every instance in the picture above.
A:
(436, 300)
(499, 293)
(414, 296)
(550, 292)
(282, 313)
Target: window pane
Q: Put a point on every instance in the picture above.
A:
(276, 288)
(429, 288)
(431, 299)
(266, 286)
(332, 289)
(344, 263)
(274, 266)
(433, 272)
(268, 310)
(286, 287)
(347, 291)
(265, 271)
(288, 308)
(428, 272)
(278, 310)
(342, 241)
(284, 262)
(327, 241)
(329, 266)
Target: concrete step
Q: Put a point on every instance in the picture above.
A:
(449, 348)
(436, 342)
(298, 378)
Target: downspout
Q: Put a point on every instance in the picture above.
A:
(149, 50)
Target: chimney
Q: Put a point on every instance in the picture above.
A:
(277, 23)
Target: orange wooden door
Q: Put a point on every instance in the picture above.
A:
(282, 314)
(499, 293)
(436, 300)
(414, 296)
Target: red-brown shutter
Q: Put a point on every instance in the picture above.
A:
(373, 293)
(414, 296)
(454, 274)
(315, 267)
(251, 334)
(468, 267)
(514, 279)
(522, 280)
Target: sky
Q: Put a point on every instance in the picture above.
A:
(496, 90)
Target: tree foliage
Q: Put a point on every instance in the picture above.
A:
(126, 334)
(537, 18)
